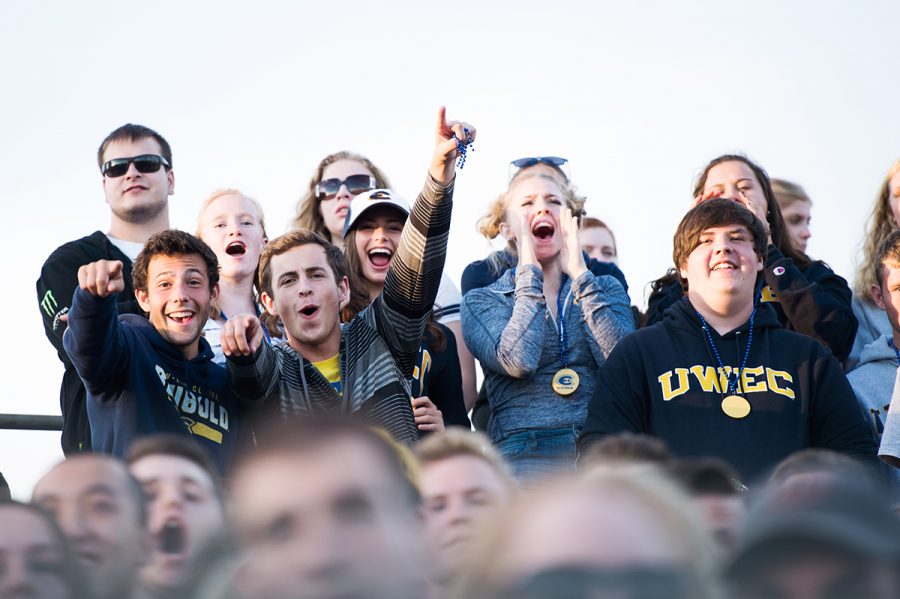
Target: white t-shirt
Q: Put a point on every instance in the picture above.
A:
(129, 248)
(446, 304)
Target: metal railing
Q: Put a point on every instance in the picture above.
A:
(31, 422)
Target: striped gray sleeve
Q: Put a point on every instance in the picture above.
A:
(254, 379)
(401, 311)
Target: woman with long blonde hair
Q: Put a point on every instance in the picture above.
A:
(884, 219)
(543, 328)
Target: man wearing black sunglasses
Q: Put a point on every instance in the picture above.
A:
(136, 165)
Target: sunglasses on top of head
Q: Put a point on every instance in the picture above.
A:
(145, 163)
(356, 184)
(560, 164)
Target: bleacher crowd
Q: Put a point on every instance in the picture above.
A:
(298, 416)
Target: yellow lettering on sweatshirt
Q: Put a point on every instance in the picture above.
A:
(665, 380)
(753, 379)
(772, 377)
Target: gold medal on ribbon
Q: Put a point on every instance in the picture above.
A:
(736, 406)
(565, 381)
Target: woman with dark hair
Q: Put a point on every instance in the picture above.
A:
(337, 180)
(807, 295)
(373, 231)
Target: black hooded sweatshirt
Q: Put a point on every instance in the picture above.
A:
(661, 381)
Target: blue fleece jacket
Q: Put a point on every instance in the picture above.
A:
(508, 328)
(138, 384)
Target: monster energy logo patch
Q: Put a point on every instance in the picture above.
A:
(48, 303)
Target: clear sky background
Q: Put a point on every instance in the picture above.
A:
(638, 95)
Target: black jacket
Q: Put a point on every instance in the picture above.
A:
(661, 381)
(812, 300)
(437, 374)
(55, 288)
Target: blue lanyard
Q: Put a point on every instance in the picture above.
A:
(258, 314)
(896, 351)
(733, 377)
(561, 324)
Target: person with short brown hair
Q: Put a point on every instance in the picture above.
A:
(185, 510)
(719, 376)
(147, 376)
(362, 367)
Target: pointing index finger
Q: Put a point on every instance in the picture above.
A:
(442, 120)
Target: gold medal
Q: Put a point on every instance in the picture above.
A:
(565, 381)
(736, 406)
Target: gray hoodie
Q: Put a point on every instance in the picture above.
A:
(873, 383)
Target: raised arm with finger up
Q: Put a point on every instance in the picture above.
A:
(364, 366)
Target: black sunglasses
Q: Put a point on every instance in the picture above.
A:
(561, 164)
(356, 184)
(145, 163)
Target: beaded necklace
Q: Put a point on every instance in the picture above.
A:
(566, 380)
(896, 351)
(462, 148)
(733, 405)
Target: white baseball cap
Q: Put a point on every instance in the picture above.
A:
(370, 199)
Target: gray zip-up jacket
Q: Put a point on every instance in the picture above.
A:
(508, 328)
(379, 346)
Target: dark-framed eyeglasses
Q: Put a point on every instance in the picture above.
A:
(356, 184)
(145, 163)
(560, 164)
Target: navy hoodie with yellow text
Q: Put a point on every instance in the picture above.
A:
(139, 384)
(664, 381)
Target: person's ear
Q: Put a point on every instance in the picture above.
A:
(506, 233)
(268, 303)
(214, 292)
(877, 296)
(143, 299)
(343, 292)
(170, 175)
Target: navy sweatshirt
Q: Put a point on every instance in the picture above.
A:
(662, 381)
(55, 287)
(138, 384)
(812, 300)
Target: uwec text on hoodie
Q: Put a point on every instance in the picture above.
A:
(139, 384)
(664, 381)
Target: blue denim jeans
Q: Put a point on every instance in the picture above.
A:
(536, 453)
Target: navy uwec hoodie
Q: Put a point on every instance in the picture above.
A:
(138, 384)
(661, 381)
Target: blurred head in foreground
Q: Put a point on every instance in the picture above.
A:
(101, 510)
(35, 558)
(818, 539)
(184, 504)
(464, 484)
(327, 508)
(619, 533)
